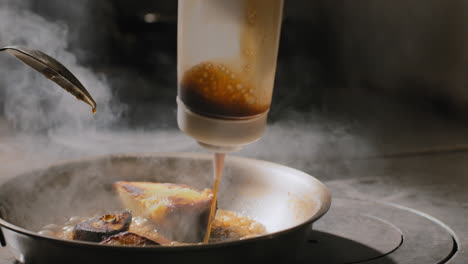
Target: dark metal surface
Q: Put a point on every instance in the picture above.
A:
(356, 234)
(2, 239)
(356, 231)
(349, 234)
(38, 250)
(253, 187)
(53, 70)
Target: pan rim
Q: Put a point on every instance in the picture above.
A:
(325, 203)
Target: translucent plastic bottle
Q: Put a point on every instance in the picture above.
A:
(227, 52)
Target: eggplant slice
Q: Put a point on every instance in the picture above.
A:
(98, 229)
(128, 239)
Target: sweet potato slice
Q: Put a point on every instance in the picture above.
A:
(179, 213)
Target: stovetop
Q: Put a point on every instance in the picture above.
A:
(358, 231)
(370, 232)
(408, 204)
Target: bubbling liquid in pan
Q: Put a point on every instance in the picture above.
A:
(226, 226)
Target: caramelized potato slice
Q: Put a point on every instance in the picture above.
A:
(179, 212)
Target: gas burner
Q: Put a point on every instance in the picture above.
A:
(356, 231)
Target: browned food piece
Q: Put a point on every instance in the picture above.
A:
(178, 212)
(229, 226)
(147, 230)
(98, 229)
(128, 239)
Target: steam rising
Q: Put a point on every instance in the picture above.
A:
(58, 127)
(31, 102)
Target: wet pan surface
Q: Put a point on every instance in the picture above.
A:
(285, 200)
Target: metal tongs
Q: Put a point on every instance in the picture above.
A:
(53, 70)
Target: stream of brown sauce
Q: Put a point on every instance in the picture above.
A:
(218, 173)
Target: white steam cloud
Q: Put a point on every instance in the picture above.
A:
(32, 103)
(35, 105)
(58, 127)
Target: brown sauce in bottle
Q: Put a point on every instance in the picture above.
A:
(215, 90)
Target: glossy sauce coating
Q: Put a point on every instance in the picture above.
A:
(226, 226)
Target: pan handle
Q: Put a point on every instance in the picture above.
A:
(2, 239)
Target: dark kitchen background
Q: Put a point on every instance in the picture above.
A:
(371, 97)
(335, 58)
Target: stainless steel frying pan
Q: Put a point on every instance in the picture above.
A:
(285, 200)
